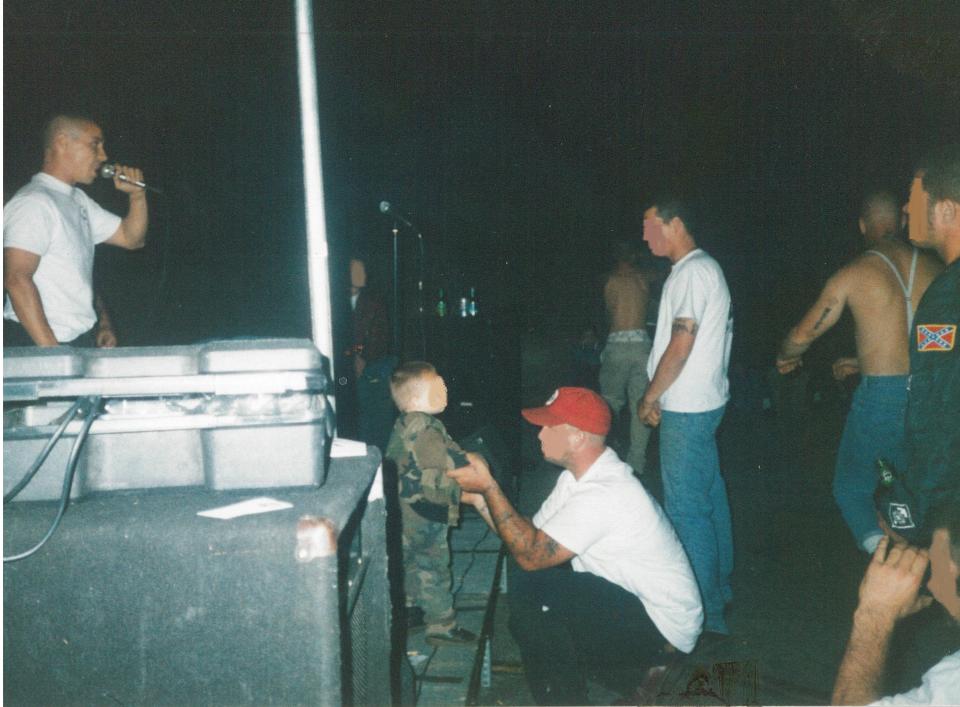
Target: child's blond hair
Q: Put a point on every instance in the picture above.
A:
(406, 382)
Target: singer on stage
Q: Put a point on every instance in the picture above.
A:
(50, 228)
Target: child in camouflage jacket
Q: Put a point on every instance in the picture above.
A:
(429, 500)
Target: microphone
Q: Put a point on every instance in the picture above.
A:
(390, 211)
(109, 171)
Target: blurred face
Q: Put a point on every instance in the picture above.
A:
(943, 574)
(83, 152)
(358, 275)
(653, 232)
(917, 211)
(436, 395)
(555, 443)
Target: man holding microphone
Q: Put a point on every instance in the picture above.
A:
(50, 229)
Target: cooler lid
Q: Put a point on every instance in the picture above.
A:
(42, 362)
(135, 361)
(237, 356)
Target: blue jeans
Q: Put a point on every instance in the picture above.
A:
(874, 429)
(695, 500)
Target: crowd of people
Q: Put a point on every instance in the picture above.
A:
(596, 558)
(607, 574)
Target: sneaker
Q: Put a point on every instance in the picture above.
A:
(455, 636)
(415, 620)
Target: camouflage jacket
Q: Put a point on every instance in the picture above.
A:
(423, 453)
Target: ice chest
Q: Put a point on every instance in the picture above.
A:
(224, 414)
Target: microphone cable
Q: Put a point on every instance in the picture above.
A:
(89, 416)
(38, 462)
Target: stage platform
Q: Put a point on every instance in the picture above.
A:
(451, 675)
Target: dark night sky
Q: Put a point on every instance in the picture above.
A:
(523, 137)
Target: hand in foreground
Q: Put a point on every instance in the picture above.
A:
(359, 364)
(473, 499)
(889, 587)
(131, 173)
(106, 338)
(475, 477)
(845, 367)
(788, 365)
(649, 412)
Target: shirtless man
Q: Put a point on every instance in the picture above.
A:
(882, 287)
(623, 368)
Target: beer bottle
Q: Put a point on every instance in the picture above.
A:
(441, 304)
(886, 472)
(472, 303)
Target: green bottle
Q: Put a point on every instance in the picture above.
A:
(886, 471)
(441, 304)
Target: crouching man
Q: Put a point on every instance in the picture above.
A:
(604, 577)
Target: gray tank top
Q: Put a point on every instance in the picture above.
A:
(907, 288)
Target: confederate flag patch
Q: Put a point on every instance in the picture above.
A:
(936, 337)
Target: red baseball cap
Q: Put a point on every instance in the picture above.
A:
(580, 407)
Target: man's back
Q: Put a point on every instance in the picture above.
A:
(626, 294)
(878, 302)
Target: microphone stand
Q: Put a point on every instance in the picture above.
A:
(396, 291)
(423, 334)
(397, 220)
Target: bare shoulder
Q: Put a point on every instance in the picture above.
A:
(850, 275)
(622, 279)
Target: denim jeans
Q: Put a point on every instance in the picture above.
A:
(874, 429)
(695, 500)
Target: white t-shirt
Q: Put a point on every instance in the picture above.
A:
(61, 224)
(696, 289)
(620, 533)
(940, 686)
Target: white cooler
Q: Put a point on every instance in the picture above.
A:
(226, 414)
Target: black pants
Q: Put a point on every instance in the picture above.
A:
(15, 335)
(566, 621)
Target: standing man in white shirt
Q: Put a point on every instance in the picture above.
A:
(603, 577)
(687, 395)
(50, 229)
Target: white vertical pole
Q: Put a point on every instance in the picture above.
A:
(318, 254)
(486, 669)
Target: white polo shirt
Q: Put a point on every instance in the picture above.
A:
(696, 289)
(61, 224)
(939, 686)
(620, 533)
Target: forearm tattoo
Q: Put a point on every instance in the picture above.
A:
(684, 325)
(823, 316)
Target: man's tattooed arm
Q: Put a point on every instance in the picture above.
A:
(683, 333)
(688, 326)
(531, 548)
(818, 320)
(823, 316)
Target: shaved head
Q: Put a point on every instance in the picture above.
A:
(71, 125)
(880, 207)
(879, 215)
